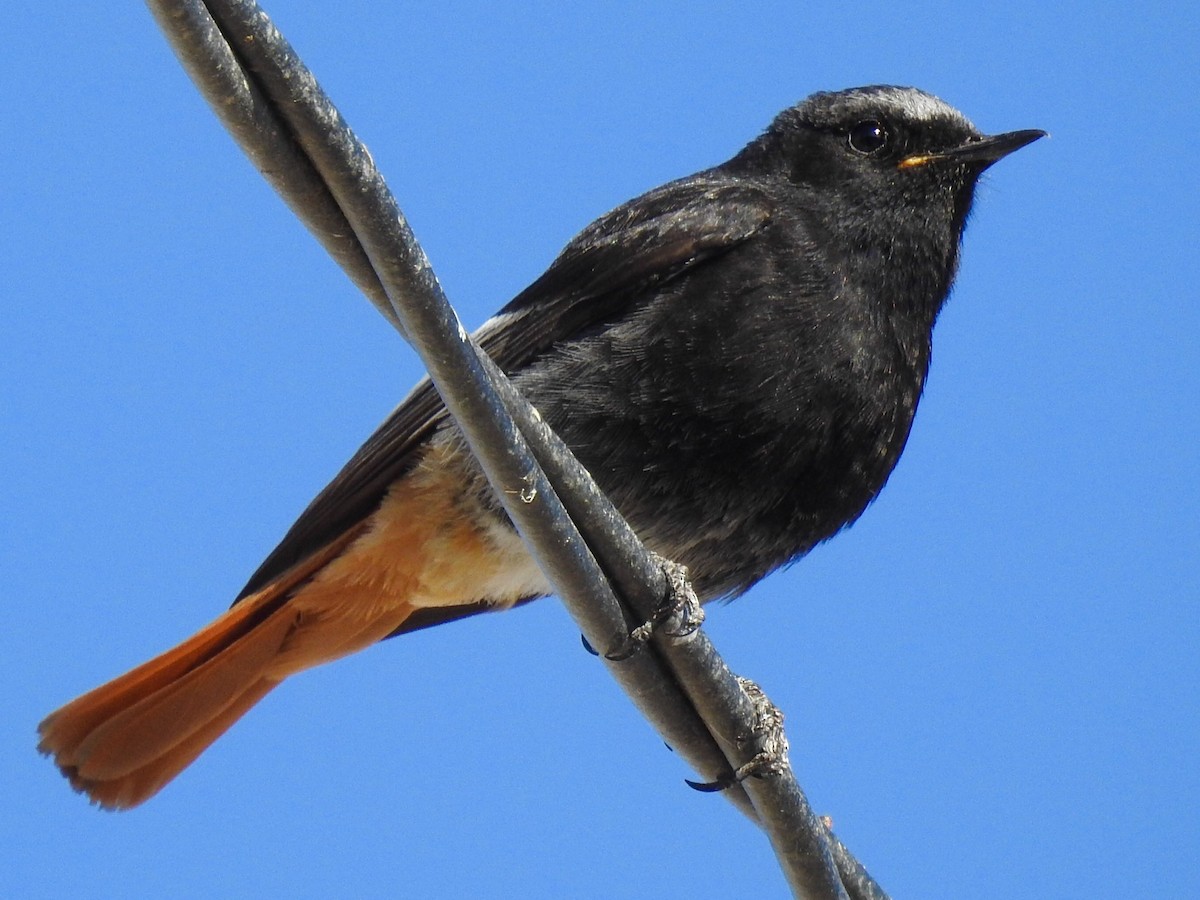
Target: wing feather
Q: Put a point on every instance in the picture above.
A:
(610, 266)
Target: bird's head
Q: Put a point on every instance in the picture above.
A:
(881, 153)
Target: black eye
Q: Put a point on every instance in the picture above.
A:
(868, 138)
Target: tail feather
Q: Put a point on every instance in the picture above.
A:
(152, 727)
(65, 731)
(123, 741)
(140, 785)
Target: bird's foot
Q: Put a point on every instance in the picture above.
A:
(767, 734)
(677, 615)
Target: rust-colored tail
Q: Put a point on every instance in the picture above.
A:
(416, 562)
(122, 742)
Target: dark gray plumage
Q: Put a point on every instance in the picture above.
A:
(736, 356)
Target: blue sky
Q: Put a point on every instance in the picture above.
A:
(990, 681)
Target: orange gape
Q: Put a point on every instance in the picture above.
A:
(123, 741)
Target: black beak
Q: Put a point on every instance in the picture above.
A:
(985, 150)
(991, 148)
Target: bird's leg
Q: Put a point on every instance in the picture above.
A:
(677, 615)
(767, 735)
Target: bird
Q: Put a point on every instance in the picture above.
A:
(736, 356)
